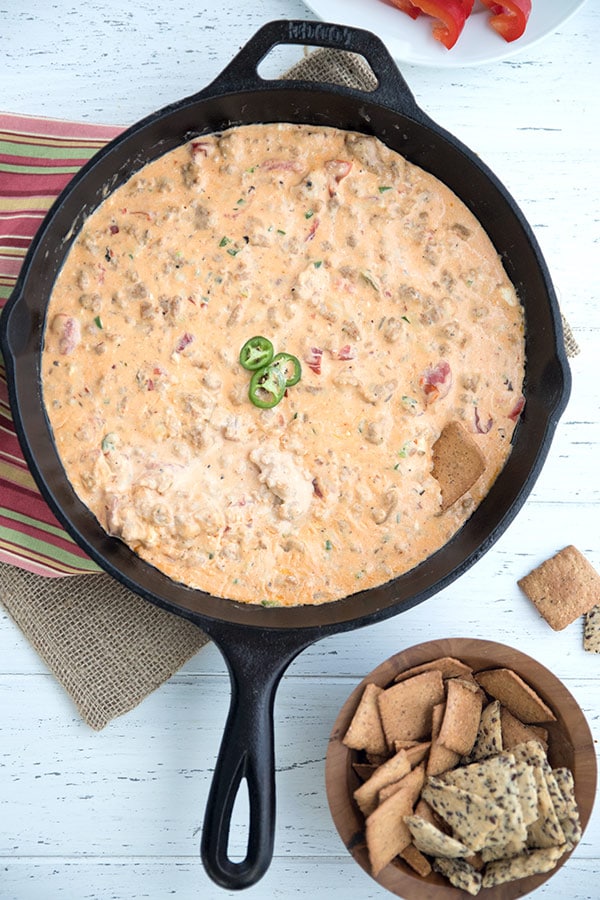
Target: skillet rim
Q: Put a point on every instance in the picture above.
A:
(363, 607)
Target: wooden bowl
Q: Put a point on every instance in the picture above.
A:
(569, 744)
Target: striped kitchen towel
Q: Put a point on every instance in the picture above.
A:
(37, 159)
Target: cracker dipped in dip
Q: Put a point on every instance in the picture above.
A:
(389, 302)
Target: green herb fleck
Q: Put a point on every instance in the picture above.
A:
(371, 280)
(318, 263)
(109, 442)
(269, 603)
(280, 231)
(309, 214)
(98, 322)
(328, 545)
(403, 453)
(224, 241)
(384, 187)
(233, 251)
(405, 319)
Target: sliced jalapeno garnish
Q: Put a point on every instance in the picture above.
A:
(256, 353)
(267, 386)
(290, 366)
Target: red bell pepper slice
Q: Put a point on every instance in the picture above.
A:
(509, 18)
(406, 6)
(451, 16)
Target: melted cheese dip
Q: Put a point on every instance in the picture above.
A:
(367, 269)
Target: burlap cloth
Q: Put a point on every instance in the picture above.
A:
(105, 645)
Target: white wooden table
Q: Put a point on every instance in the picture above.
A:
(118, 814)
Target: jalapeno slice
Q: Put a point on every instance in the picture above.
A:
(256, 353)
(290, 366)
(267, 386)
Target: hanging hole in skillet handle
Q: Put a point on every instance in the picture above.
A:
(390, 88)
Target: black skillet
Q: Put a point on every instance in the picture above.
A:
(259, 643)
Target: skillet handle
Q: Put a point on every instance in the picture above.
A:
(241, 73)
(256, 663)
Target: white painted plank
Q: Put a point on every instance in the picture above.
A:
(139, 787)
(183, 879)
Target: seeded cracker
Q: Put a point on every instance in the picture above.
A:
(460, 874)
(535, 862)
(510, 689)
(591, 630)
(569, 821)
(494, 780)
(429, 839)
(526, 786)
(365, 731)
(471, 818)
(405, 708)
(563, 587)
(489, 734)
(546, 831)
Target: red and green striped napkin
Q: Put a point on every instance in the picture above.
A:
(38, 157)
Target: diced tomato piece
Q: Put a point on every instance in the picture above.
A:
(436, 381)
(336, 169)
(313, 359)
(183, 342)
(517, 409)
(346, 352)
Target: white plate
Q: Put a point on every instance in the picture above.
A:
(411, 41)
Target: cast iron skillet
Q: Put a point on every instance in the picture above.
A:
(259, 643)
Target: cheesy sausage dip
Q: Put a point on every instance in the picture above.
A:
(335, 251)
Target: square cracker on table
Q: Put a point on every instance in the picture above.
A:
(591, 630)
(515, 694)
(563, 587)
(457, 463)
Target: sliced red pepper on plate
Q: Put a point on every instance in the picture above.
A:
(450, 16)
(409, 8)
(509, 18)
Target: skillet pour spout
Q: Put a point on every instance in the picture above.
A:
(259, 643)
